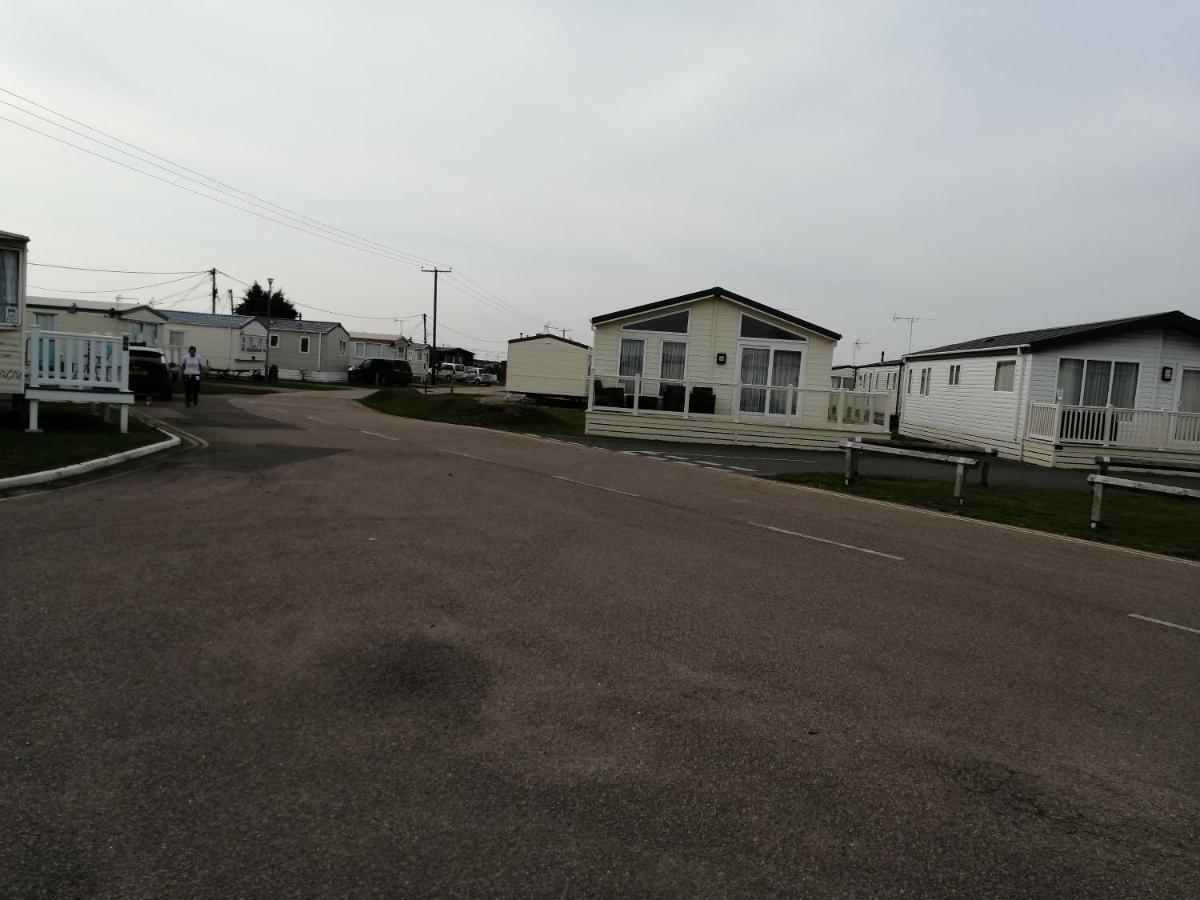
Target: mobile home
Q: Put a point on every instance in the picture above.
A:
(546, 365)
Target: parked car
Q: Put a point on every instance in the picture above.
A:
(149, 374)
(451, 372)
(380, 372)
(483, 377)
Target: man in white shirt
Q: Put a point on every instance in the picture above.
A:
(191, 377)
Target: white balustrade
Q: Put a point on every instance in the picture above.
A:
(1108, 426)
(58, 359)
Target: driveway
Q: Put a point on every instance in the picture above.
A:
(328, 652)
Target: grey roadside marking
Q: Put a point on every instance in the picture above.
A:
(821, 540)
(386, 437)
(322, 421)
(598, 487)
(1164, 622)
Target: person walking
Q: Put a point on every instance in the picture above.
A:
(191, 377)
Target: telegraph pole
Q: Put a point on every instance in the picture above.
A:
(213, 273)
(231, 301)
(267, 355)
(433, 348)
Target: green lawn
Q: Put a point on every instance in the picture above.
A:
(70, 434)
(1161, 524)
(465, 409)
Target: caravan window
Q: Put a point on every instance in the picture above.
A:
(10, 288)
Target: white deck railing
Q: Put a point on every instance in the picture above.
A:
(789, 405)
(1109, 426)
(77, 362)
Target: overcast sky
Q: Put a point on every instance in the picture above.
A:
(988, 167)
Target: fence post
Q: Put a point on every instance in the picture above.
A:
(1057, 435)
(841, 409)
(687, 398)
(1097, 502)
(736, 396)
(637, 392)
(960, 472)
(591, 392)
(851, 468)
(985, 465)
(1107, 424)
(33, 416)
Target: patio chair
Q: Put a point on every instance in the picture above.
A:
(672, 397)
(703, 401)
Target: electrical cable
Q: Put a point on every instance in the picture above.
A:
(114, 271)
(469, 287)
(139, 287)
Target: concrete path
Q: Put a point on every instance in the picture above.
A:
(328, 652)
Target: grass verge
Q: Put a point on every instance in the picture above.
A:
(70, 434)
(1167, 525)
(465, 409)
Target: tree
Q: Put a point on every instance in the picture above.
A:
(254, 303)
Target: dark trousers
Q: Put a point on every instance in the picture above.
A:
(191, 388)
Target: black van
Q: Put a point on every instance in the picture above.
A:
(380, 372)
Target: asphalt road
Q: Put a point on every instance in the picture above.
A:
(327, 652)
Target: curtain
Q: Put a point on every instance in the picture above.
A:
(755, 363)
(1124, 385)
(784, 372)
(1096, 379)
(674, 357)
(1189, 391)
(9, 287)
(1070, 380)
(631, 362)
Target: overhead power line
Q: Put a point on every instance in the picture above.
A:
(136, 287)
(271, 212)
(114, 271)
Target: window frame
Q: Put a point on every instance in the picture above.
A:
(273, 343)
(304, 345)
(662, 356)
(908, 388)
(955, 377)
(633, 326)
(1112, 377)
(1007, 365)
(926, 380)
(795, 338)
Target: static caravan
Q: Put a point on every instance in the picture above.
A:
(141, 323)
(717, 367)
(1060, 396)
(306, 350)
(225, 342)
(546, 365)
(40, 364)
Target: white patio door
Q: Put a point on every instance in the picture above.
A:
(769, 366)
(1189, 391)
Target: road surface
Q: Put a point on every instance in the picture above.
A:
(327, 652)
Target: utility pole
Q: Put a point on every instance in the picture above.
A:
(911, 320)
(213, 273)
(231, 301)
(433, 348)
(267, 355)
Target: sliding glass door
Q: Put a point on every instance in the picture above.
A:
(773, 367)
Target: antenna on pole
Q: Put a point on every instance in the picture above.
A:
(858, 342)
(911, 320)
(547, 328)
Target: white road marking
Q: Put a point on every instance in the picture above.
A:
(322, 421)
(1161, 622)
(821, 540)
(466, 455)
(378, 435)
(598, 487)
(984, 523)
(741, 468)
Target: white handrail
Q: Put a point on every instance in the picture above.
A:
(1110, 426)
(68, 361)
